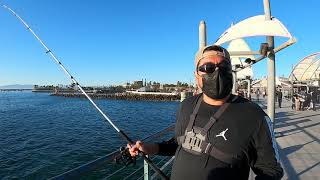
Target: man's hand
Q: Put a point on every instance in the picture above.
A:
(147, 149)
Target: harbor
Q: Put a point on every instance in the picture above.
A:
(297, 136)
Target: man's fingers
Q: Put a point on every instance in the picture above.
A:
(138, 144)
(133, 150)
(133, 154)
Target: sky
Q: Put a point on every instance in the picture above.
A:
(113, 42)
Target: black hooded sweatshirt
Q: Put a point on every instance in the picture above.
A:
(249, 137)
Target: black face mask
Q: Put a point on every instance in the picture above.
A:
(217, 85)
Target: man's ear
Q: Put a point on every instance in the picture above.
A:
(198, 79)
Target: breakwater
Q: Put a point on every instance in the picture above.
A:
(123, 96)
(7, 90)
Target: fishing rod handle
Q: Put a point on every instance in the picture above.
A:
(153, 166)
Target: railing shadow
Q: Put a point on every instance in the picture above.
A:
(285, 119)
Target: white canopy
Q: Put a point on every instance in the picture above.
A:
(241, 45)
(254, 26)
(263, 83)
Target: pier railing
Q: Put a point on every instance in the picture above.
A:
(140, 171)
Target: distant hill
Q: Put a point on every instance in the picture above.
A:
(17, 86)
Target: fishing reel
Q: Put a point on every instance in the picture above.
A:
(124, 157)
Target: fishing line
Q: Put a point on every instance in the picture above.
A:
(48, 51)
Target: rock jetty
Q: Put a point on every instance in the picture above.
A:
(123, 96)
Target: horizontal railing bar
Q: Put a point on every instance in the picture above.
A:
(163, 167)
(158, 134)
(95, 164)
(114, 173)
(135, 171)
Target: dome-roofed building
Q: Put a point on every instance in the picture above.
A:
(308, 69)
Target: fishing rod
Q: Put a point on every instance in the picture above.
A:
(106, 118)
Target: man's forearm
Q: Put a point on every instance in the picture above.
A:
(151, 149)
(167, 148)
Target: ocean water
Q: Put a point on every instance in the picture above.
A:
(42, 136)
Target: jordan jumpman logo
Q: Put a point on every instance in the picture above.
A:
(222, 134)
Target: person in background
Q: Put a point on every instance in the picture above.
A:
(258, 94)
(293, 99)
(308, 100)
(297, 101)
(279, 96)
(314, 100)
(301, 101)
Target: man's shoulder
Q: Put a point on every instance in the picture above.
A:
(189, 103)
(237, 101)
(249, 115)
(245, 105)
(192, 100)
(243, 102)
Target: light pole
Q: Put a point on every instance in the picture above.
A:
(271, 65)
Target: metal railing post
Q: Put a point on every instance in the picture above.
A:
(235, 85)
(146, 170)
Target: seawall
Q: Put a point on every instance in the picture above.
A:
(123, 96)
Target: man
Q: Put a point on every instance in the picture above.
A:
(314, 99)
(218, 135)
(279, 96)
(258, 94)
(308, 100)
(297, 102)
(293, 101)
